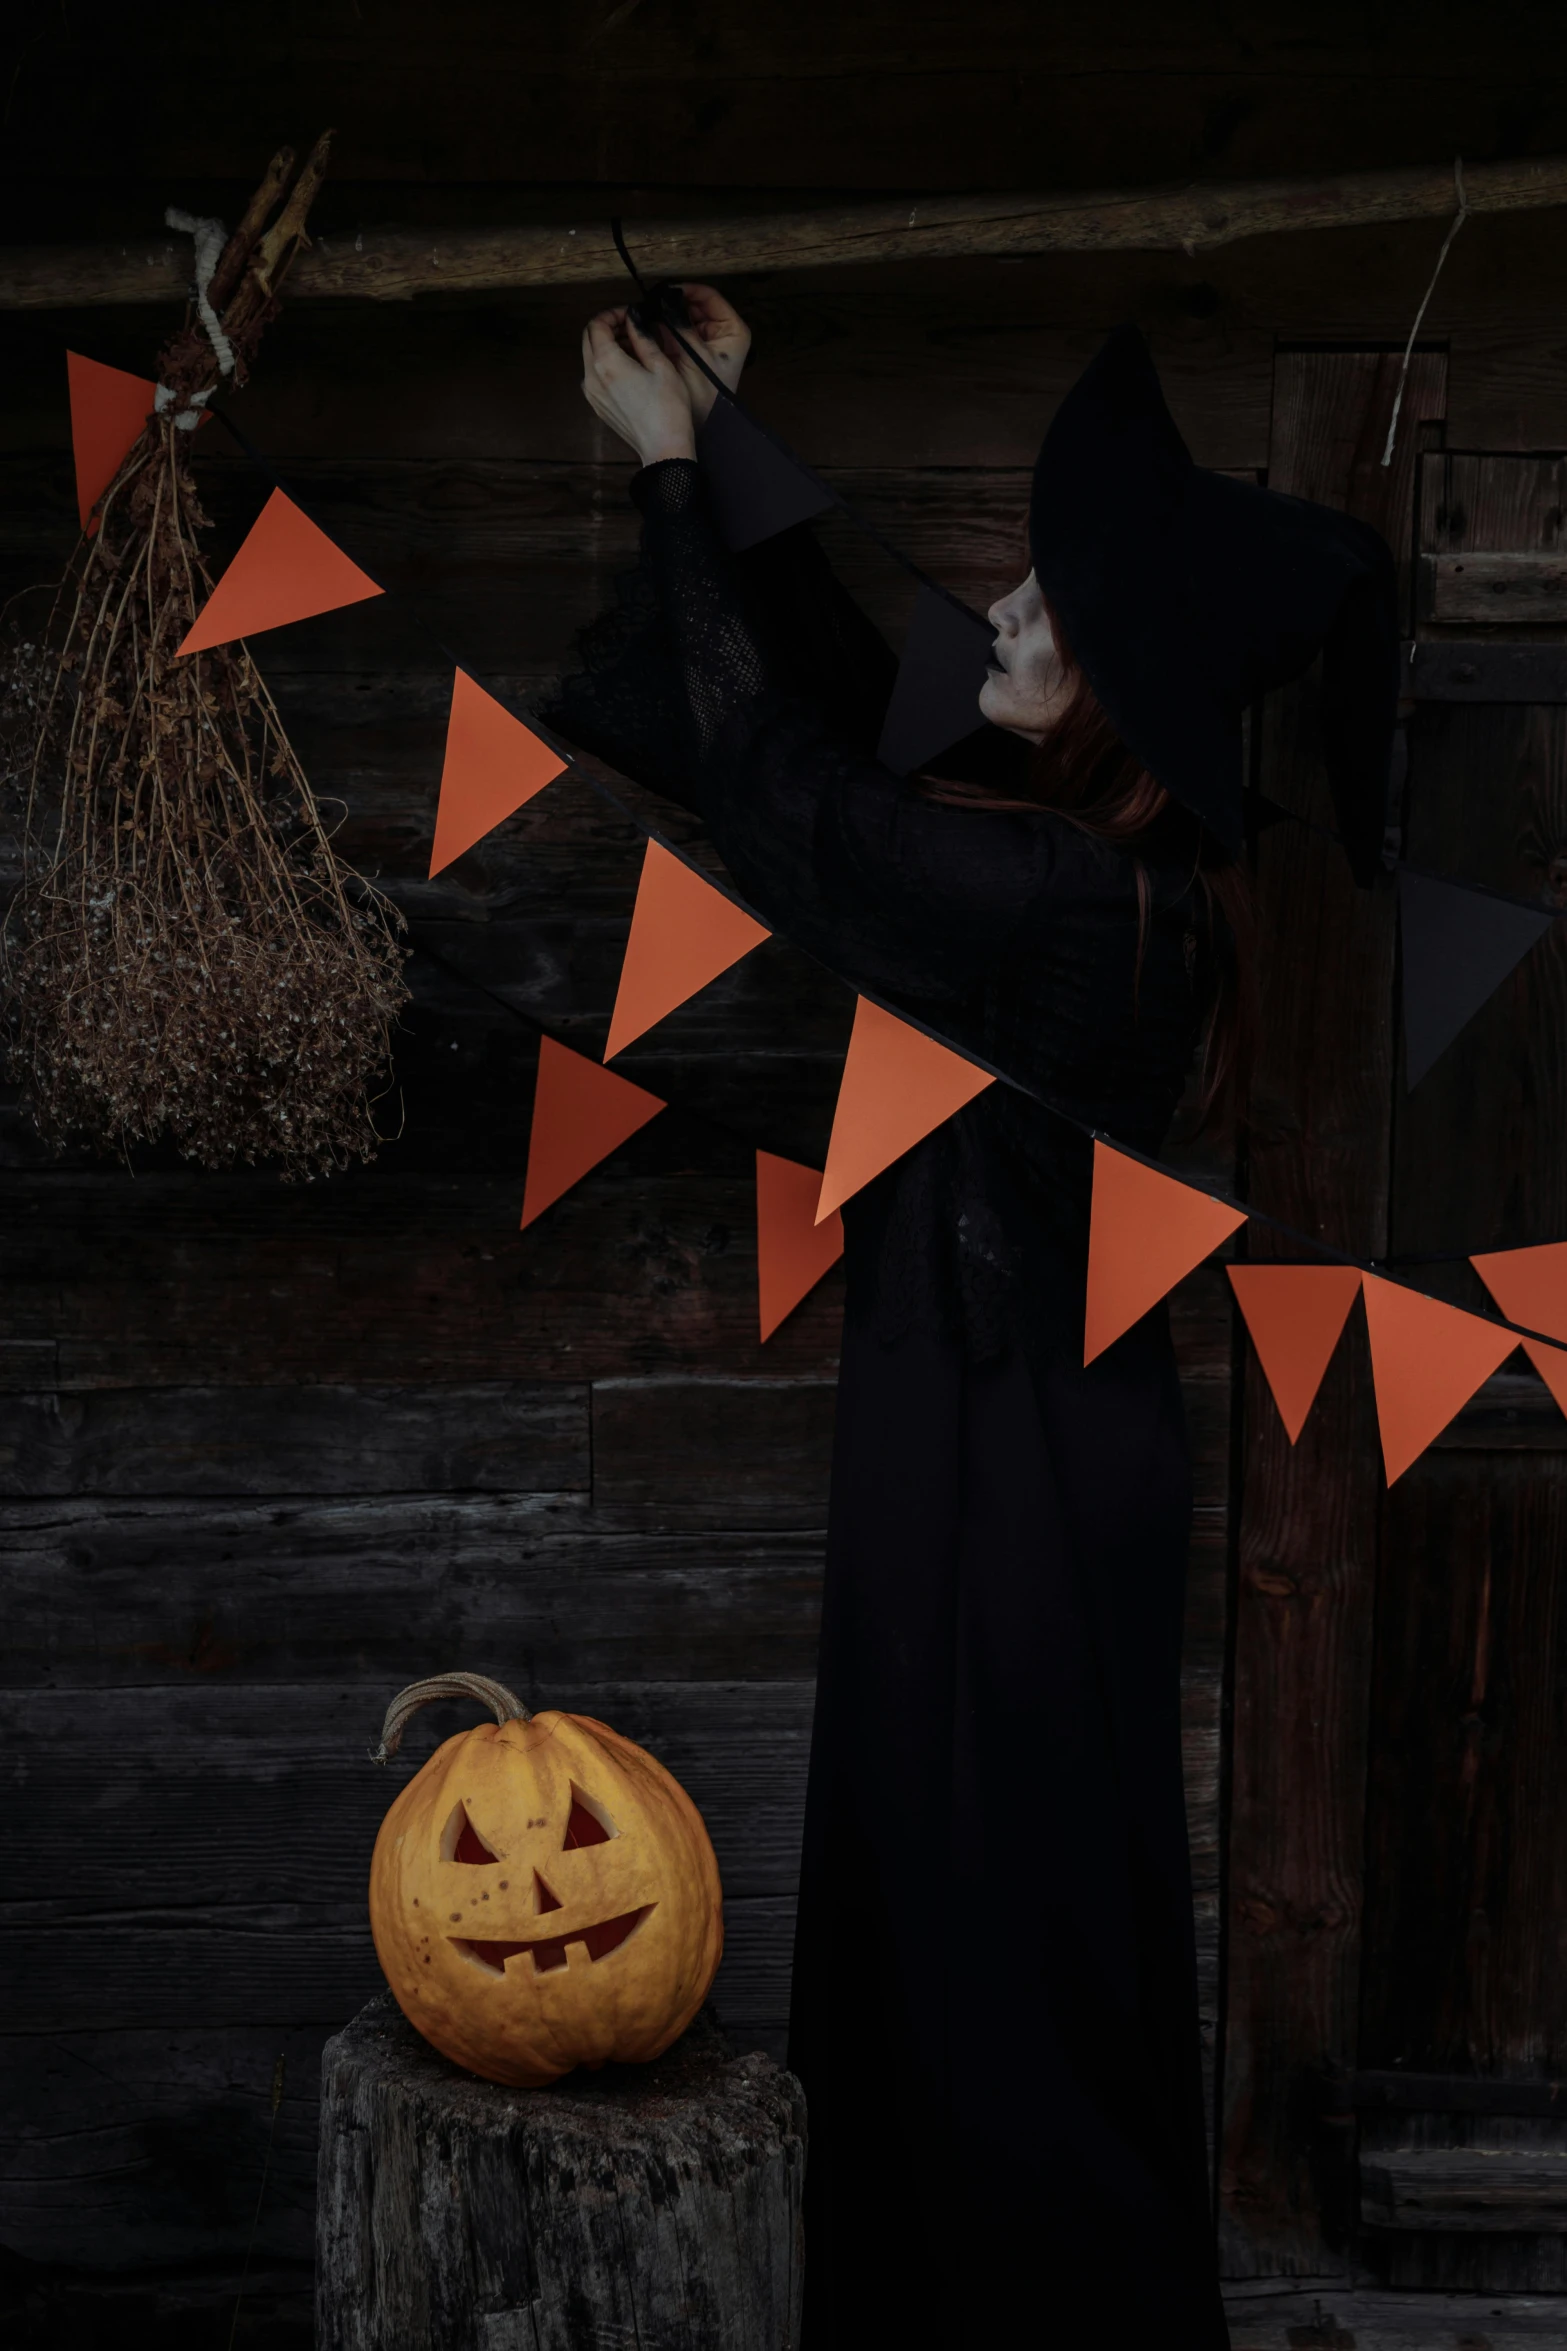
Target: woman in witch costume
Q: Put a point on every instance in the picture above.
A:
(994, 2008)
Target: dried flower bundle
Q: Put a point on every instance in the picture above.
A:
(187, 957)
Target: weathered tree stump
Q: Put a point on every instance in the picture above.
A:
(655, 2206)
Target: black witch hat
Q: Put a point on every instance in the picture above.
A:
(1186, 596)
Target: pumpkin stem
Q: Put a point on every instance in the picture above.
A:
(444, 1685)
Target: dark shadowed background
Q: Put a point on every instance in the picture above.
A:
(268, 1453)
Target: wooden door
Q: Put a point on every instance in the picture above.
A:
(1463, 2024)
(1396, 1899)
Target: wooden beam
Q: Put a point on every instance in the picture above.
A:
(394, 264)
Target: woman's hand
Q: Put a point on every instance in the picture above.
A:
(638, 392)
(722, 337)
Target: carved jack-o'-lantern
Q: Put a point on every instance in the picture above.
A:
(543, 1893)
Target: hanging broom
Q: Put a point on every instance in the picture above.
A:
(187, 958)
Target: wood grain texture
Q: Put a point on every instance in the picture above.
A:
(644, 1268)
(113, 1593)
(1309, 1513)
(393, 265)
(1466, 2200)
(1390, 2090)
(224, 1332)
(1482, 670)
(496, 1436)
(655, 2205)
(1486, 2179)
(706, 1452)
(1474, 503)
(160, 2134)
(1469, 1735)
(242, 1819)
(1498, 591)
(1488, 799)
(1325, 2312)
(878, 98)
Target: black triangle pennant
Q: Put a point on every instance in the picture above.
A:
(1458, 946)
(755, 489)
(935, 701)
(1263, 814)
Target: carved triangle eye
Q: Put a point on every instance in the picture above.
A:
(462, 1841)
(586, 1825)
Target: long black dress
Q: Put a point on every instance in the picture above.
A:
(994, 2009)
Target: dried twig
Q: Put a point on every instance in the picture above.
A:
(187, 957)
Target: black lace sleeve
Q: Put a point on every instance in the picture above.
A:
(817, 638)
(702, 697)
(621, 698)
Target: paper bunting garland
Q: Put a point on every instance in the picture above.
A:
(581, 1113)
(754, 489)
(897, 1085)
(935, 701)
(793, 1251)
(1427, 1359)
(1530, 1286)
(1295, 1314)
(1457, 946)
(287, 569)
(683, 934)
(1145, 1231)
(108, 409)
(1262, 814)
(1551, 1364)
(493, 766)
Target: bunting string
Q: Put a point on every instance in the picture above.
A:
(620, 1107)
(654, 306)
(570, 761)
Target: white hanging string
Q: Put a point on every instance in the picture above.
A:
(210, 237)
(188, 418)
(1459, 217)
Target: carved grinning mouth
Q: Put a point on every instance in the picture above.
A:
(550, 1952)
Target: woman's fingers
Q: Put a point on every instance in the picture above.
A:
(630, 385)
(611, 343)
(601, 340)
(723, 339)
(644, 347)
(715, 318)
(710, 308)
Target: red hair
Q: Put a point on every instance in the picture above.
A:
(1084, 771)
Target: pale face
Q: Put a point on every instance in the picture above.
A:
(1028, 686)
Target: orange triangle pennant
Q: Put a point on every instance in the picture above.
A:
(1294, 1314)
(493, 767)
(1529, 1285)
(1551, 1364)
(896, 1086)
(108, 409)
(581, 1113)
(1427, 1359)
(792, 1250)
(287, 569)
(1145, 1231)
(683, 934)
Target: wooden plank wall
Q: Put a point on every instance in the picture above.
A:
(267, 1453)
(1319, 1157)
(784, 93)
(1466, 1851)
